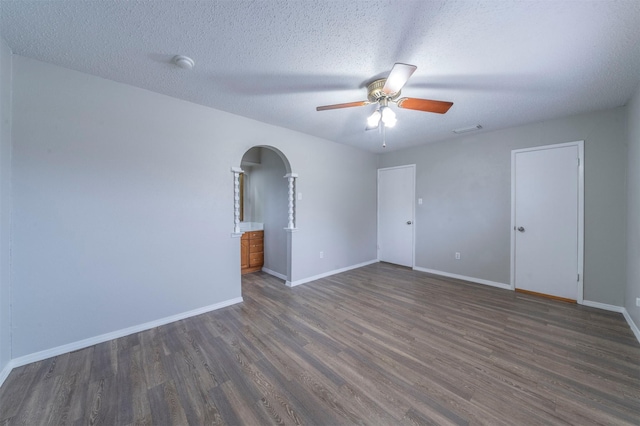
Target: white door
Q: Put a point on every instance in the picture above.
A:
(396, 189)
(546, 220)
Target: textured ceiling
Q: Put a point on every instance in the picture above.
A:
(502, 63)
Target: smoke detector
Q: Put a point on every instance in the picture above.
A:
(183, 62)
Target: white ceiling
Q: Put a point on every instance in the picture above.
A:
(502, 63)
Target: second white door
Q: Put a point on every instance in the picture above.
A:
(396, 190)
(547, 220)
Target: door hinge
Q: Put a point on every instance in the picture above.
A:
(578, 277)
(578, 162)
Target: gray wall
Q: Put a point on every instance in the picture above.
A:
(633, 210)
(123, 205)
(5, 204)
(337, 214)
(465, 184)
(269, 194)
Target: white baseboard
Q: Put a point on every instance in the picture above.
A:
(274, 273)
(612, 308)
(5, 371)
(632, 324)
(619, 309)
(326, 274)
(85, 343)
(465, 278)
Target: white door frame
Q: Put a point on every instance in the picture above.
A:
(580, 272)
(413, 212)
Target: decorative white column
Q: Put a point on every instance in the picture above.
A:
(291, 219)
(236, 200)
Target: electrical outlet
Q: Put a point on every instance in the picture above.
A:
(637, 301)
(321, 255)
(457, 255)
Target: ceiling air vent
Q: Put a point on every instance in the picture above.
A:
(468, 129)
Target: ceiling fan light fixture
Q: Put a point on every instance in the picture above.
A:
(382, 91)
(388, 116)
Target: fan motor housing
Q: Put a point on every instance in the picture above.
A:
(375, 93)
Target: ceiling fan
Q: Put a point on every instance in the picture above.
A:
(385, 90)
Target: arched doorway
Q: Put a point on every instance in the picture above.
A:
(264, 209)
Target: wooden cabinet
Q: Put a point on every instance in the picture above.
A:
(251, 251)
(244, 252)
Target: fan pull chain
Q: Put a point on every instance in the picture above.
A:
(382, 129)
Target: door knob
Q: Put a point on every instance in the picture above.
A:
(408, 222)
(521, 228)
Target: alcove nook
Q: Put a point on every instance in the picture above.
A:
(264, 211)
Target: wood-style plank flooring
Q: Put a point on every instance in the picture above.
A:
(379, 345)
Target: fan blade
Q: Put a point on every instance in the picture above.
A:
(398, 77)
(439, 107)
(347, 105)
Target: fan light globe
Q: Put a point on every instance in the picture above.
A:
(374, 119)
(388, 117)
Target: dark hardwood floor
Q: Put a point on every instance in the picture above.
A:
(380, 345)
